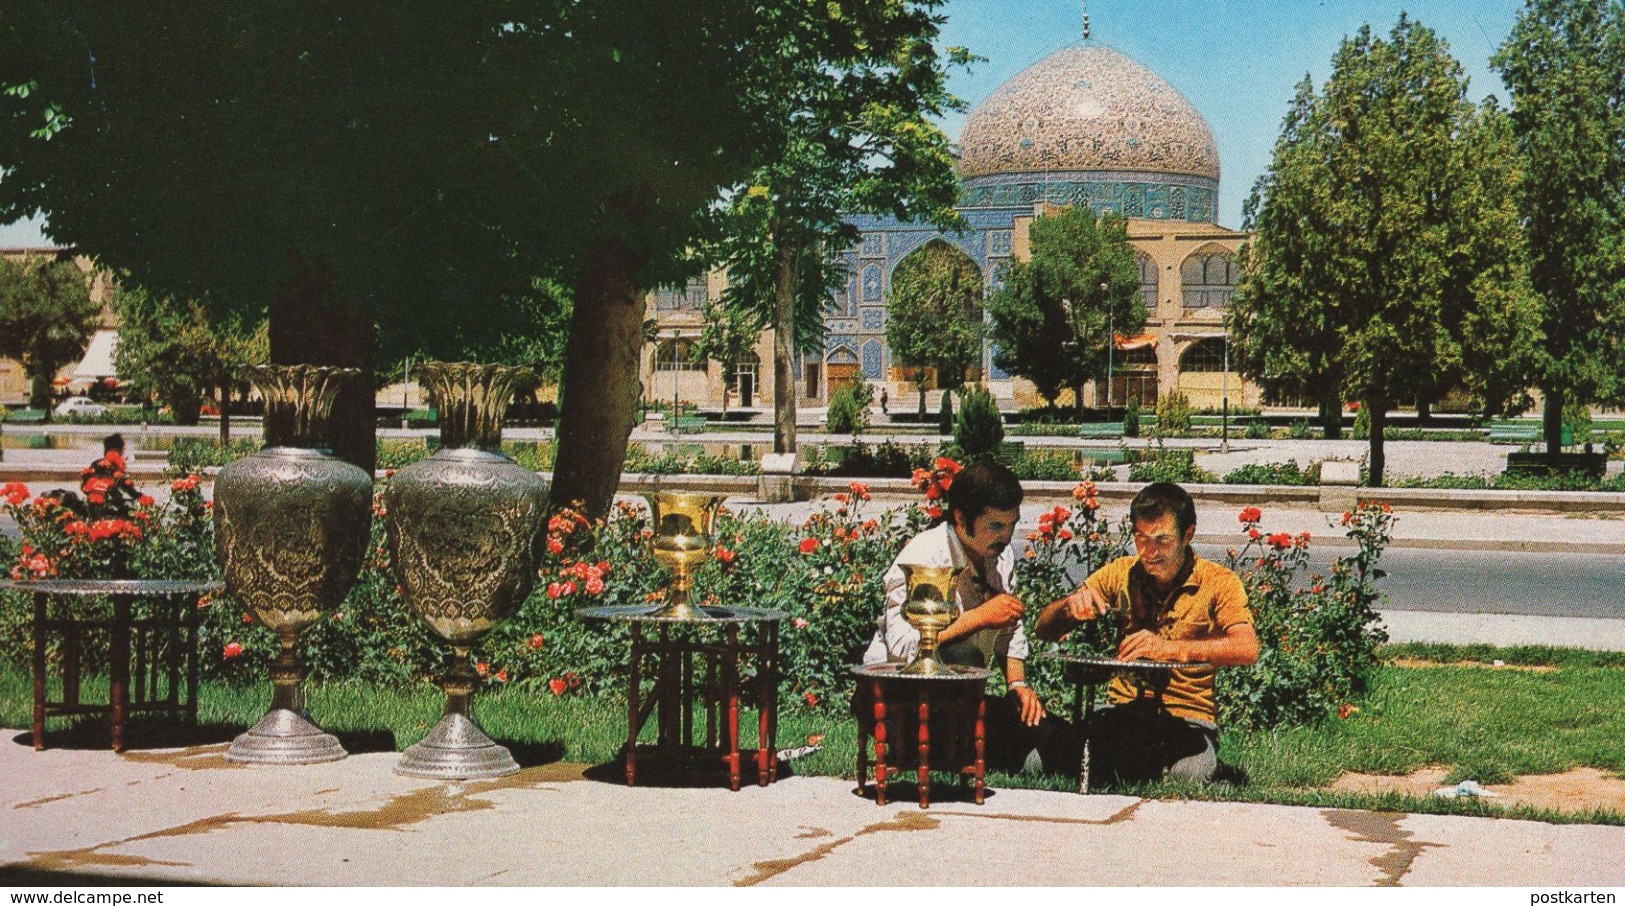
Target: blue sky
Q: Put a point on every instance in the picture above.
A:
(1236, 60)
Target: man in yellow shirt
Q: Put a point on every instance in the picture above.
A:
(1174, 606)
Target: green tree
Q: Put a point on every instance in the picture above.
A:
(857, 137)
(727, 335)
(934, 315)
(1564, 63)
(389, 177)
(1371, 266)
(46, 316)
(1052, 313)
(170, 353)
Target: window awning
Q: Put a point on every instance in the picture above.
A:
(98, 360)
(1138, 341)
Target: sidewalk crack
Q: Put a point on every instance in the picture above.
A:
(1382, 827)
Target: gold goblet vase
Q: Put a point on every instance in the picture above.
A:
(929, 608)
(684, 536)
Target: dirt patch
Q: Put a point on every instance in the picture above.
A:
(1578, 790)
(1418, 663)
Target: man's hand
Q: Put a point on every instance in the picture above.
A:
(1085, 604)
(1028, 706)
(997, 612)
(1146, 645)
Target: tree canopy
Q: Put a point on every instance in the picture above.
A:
(170, 353)
(1382, 260)
(934, 315)
(1565, 65)
(46, 317)
(1052, 313)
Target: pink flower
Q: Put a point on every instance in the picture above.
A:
(555, 546)
(800, 623)
(232, 650)
(595, 586)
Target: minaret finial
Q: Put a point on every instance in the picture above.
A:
(1085, 20)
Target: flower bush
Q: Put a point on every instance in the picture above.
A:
(1317, 634)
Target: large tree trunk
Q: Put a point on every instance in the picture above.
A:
(1552, 427)
(1377, 408)
(601, 386)
(310, 325)
(784, 336)
(1331, 416)
(1424, 413)
(39, 392)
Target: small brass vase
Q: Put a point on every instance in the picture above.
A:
(929, 608)
(684, 536)
(291, 529)
(465, 530)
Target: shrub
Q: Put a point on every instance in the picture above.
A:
(1176, 465)
(191, 455)
(1173, 415)
(1317, 635)
(1300, 429)
(846, 415)
(1282, 473)
(1131, 417)
(945, 413)
(1257, 429)
(1048, 465)
(1362, 424)
(978, 430)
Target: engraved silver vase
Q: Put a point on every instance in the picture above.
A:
(465, 527)
(291, 530)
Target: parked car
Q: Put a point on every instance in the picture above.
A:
(82, 406)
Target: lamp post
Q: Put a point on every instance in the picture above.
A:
(1224, 396)
(1111, 345)
(406, 403)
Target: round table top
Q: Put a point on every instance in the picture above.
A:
(711, 613)
(1115, 664)
(892, 670)
(146, 587)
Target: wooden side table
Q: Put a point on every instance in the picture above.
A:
(749, 638)
(147, 652)
(961, 690)
(1148, 677)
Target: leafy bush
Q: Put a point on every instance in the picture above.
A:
(889, 460)
(1257, 429)
(1131, 417)
(1175, 465)
(846, 415)
(978, 430)
(945, 413)
(1045, 465)
(191, 455)
(1317, 635)
(1362, 424)
(1281, 473)
(1300, 429)
(1173, 415)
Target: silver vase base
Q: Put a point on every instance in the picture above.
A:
(284, 737)
(456, 749)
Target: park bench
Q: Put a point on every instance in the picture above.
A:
(690, 424)
(1509, 432)
(1101, 430)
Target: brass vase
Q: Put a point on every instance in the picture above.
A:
(929, 608)
(684, 536)
(465, 528)
(291, 529)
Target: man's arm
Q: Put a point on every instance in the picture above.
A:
(996, 612)
(1237, 647)
(1061, 617)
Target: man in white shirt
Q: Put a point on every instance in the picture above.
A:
(984, 505)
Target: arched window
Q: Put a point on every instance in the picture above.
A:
(676, 355)
(1148, 280)
(1208, 278)
(1203, 356)
(688, 297)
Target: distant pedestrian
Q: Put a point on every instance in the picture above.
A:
(884, 399)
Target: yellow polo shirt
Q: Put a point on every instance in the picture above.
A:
(1207, 602)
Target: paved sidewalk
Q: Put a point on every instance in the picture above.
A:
(186, 816)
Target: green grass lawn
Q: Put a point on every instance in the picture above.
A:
(1481, 723)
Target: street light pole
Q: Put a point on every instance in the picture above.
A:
(1224, 393)
(1111, 345)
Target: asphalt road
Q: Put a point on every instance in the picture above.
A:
(1477, 581)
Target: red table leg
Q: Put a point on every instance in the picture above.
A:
(924, 773)
(980, 735)
(880, 745)
(766, 757)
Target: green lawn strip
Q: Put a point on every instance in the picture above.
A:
(1482, 723)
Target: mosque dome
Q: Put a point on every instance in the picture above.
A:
(1087, 124)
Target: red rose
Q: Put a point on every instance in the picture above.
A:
(1253, 533)
(483, 669)
(144, 500)
(724, 555)
(502, 675)
(595, 586)
(232, 650)
(810, 699)
(1250, 514)
(536, 641)
(1279, 540)
(555, 546)
(555, 686)
(808, 545)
